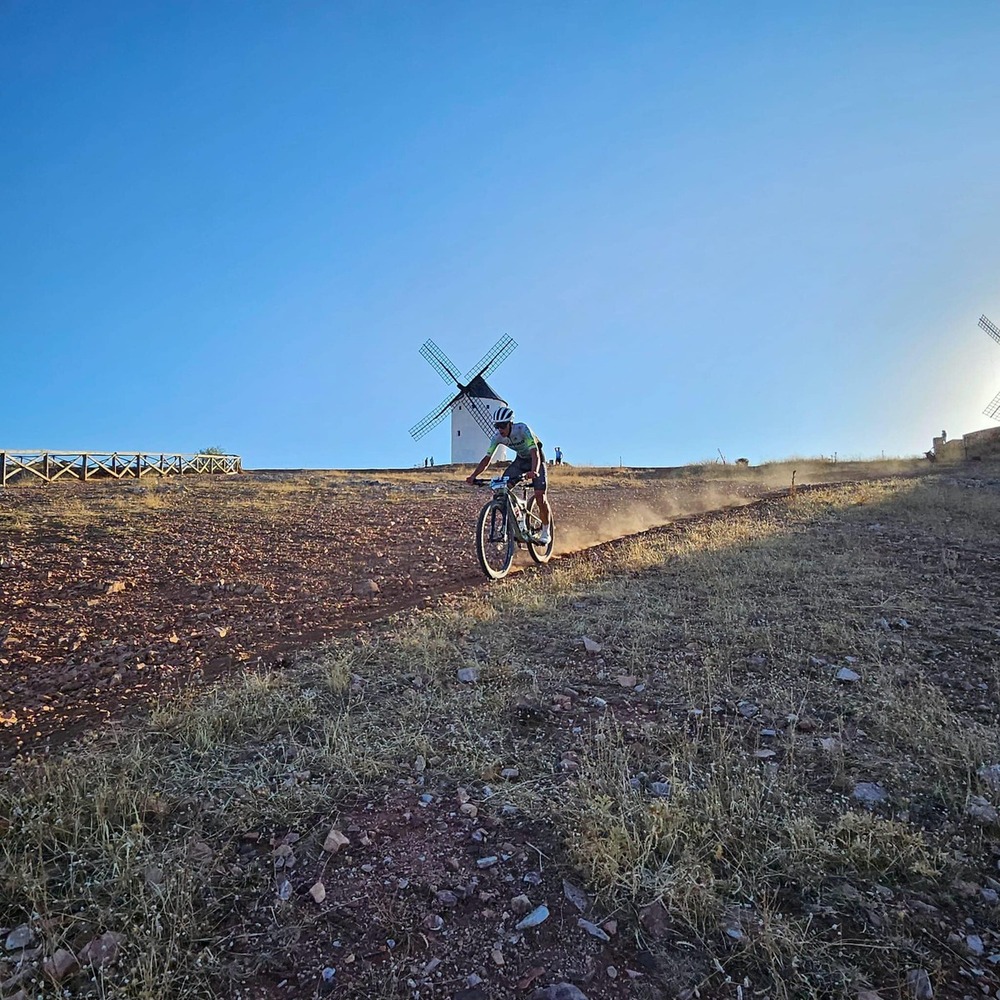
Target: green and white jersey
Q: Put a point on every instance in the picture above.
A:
(520, 441)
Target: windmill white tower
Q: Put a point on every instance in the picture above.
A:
(472, 407)
(993, 410)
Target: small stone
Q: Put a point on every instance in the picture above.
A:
(510, 773)
(497, 955)
(433, 922)
(366, 588)
(318, 892)
(660, 789)
(593, 930)
(981, 811)
(846, 675)
(627, 680)
(974, 944)
(103, 950)
(610, 927)
(420, 764)
(468, 675)
(537, 916)
(62, 964)
(487, 862)
(612, 972)
(335, 840)
(590, 646)
(445, 897)
(989, 774)
(989, 895)
(20, 937)
(520, 904)
(576, 896)
(558, 991)
(747, 710)
(919, 983)
(868, 793)
(599, 703)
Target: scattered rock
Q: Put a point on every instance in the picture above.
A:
(103, 950)
(520, 904)
(847, 676)
(487, 862)
(318, 892)
(576, 896)
(591, 647)
(20, 937)
(335, 840)
(365, 588)
(628, 680)
(974, 944)
(62, 964)
(537, 916)
(989, 774)
(558, 991)
(869, 793)
(981, 811)
(468, 675)
(593, 930)
(433, 922)
(656, 920)
(660, 789)
(919, 984)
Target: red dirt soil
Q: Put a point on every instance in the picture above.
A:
(113, 594)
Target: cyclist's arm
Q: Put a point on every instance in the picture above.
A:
(487, 458)
(536, 462)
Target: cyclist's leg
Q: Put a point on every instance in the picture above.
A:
(540, 484)
(517, 470)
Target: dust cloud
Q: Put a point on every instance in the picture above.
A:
(580, 526)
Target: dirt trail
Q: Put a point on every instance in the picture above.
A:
(113, 594)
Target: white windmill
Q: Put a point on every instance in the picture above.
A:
(472, 407)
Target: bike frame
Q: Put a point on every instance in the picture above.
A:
(503, 494)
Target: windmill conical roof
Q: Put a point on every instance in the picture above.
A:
(480, 389)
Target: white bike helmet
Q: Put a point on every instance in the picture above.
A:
(504, 415)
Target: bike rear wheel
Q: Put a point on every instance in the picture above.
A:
(494, 541)
(540, 553)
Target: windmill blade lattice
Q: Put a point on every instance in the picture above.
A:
(993, 410)
(422, 427)
(440, 362)
(990, 328)
(492, 359)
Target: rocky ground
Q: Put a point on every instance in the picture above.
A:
(112, 593)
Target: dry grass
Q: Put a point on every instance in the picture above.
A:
(733, 626)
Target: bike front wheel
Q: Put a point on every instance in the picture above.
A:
(540, 553)
(494, 541)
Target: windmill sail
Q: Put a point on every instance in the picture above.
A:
(473, 406)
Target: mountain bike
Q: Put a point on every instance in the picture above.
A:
(507, 521)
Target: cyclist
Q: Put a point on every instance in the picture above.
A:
(530, 461)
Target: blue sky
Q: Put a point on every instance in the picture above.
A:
(765, 228)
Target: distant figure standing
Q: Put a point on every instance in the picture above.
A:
(558, 455)
(944, 436)
(425, 463)
(432, 461)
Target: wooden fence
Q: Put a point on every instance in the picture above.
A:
(49, 466)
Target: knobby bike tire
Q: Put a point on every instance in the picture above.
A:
(488, 516)
(540, 553)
